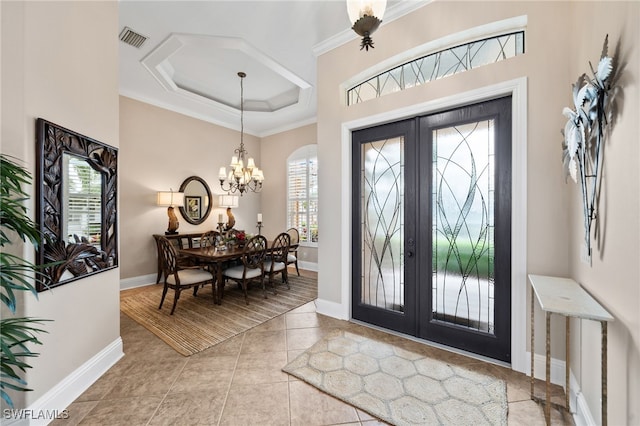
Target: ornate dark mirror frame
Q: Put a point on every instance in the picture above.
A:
(206, 213)
(66, 262)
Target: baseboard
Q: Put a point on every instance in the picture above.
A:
(579, 408)
(577, 402)
(332, 309)
(139, 281)
(557, 368)
(54, 403)
(309, 266)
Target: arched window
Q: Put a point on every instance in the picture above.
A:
(302, 193)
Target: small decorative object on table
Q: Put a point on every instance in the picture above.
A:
(220, 224)
(237, 238)
(259, 225)
(584, 133)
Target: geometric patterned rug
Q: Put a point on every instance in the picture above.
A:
(399, 386)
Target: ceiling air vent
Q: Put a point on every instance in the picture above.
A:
(131, 37)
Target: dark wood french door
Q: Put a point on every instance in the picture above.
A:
(432, 227)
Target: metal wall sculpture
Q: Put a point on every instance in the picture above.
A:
(584, 135)
(76, 203)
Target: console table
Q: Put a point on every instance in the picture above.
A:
(566, 297)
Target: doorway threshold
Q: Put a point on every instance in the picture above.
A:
(435, 345)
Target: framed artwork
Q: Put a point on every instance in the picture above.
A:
(193, 205)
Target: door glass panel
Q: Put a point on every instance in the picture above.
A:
(463, 225)
(382, 222)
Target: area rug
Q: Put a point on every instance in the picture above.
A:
(198, 323)
(399, 386)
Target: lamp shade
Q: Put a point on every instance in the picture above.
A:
(170, 198)
(358, 8)
(228, 201)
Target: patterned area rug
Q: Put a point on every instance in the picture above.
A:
(400, 386)
(198, 323)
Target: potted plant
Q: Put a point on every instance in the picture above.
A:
(16, 274)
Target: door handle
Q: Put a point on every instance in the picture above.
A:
(409, 254)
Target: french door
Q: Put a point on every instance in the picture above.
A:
(432, 227)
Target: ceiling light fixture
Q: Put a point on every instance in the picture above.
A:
(366, 16)
(241, 179)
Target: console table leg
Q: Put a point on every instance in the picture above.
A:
(567, 368)
(547, 405)
(604, 373)
(533, 350)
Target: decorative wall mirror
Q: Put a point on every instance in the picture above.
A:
(197, 200)
(76, 182)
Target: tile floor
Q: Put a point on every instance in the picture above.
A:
(239, 382)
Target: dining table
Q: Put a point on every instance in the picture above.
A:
(216, 258)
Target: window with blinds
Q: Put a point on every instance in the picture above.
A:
(302, 193)
(82, 221)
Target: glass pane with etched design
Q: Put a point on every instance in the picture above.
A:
(382, 222)
(438, 65)
(463, 225)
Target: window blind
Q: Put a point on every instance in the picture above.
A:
(302, 193)
(83, 208)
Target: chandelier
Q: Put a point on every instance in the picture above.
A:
(366, 16)
(241, 178)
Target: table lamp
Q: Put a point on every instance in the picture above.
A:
(169, 199)
(228, 201)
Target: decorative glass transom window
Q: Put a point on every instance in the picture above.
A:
(438, 65)
(302, 193)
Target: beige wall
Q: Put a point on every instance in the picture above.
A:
(275, 151)
(552, 38)
(159, 150)
(614, 277)
(544, 88)
(75, 87)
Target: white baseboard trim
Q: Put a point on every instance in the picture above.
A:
(309, 266)
(579, 408)
(557, 368)
(578, 404)
(139, 281)
(57, 399)
(332, 309)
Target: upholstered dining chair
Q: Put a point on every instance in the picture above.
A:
(276, 262)
(292, 257)
(177, 278)
(252, 266)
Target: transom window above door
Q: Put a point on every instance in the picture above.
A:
(437, 63)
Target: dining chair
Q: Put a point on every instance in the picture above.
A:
(209, 239)
(292, 256)
(276, 262)
(252, 266)
(177, 278)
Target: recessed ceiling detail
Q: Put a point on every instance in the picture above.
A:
(193, 65)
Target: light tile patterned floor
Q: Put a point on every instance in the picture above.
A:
(240, 382)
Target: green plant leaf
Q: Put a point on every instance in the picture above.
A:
(17, 334)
